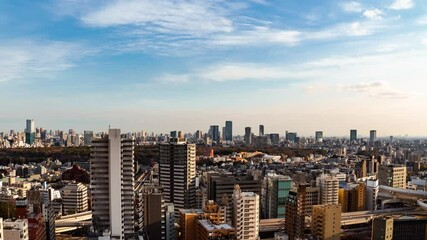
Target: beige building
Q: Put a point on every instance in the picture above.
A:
(328, 186)
(392, 175)
(246, 214)
(15, 230)
(382, 229)
(326, 222)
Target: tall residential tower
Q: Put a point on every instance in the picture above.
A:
(112, 184)
(178, 173)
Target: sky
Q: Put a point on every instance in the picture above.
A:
(296, 65)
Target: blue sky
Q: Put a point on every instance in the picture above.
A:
(297, 65)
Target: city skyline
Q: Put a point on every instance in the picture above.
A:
(333, 67)
(173, 132)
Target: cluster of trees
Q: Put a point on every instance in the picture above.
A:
(145, 155)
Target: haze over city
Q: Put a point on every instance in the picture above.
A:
(285, 64)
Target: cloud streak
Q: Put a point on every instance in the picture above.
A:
(28, 59)
(402, 5)
(174, 27)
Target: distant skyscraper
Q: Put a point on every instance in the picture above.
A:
(319, 136)
(30, 128)
(198, 135)
(261, 130)
(178, 173)
(248, 136)
(112, 184)
(353, 135)
(274, 138)
(30, 131)
(87, 138)
(372, 137)
(228, 133)
(173, 134)
(214, 133)
(291, 136)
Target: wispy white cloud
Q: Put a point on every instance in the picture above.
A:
(173, 78)
(375, 90)
(27, 59)
(422, 20)
(402, 4)
(362, 87)
(374, 14)
(176, 26)
(167, 16)
(258, 35)
(353, 6)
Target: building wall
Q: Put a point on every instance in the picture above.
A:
(326, 222)
(382, 229)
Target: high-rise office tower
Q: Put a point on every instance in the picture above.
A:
(198, 135)
(248, 136)
(112, 184)
(319, 136)
(291, 136)
(353, 135)
(178, 173)
(295, 213)
(30, 131)
(372, 137)
(328, 186)
(214, 133)
(30, 127)
(228, 132)
(326, 222)
(392, 175)
(274, 138)
(276, 191)
(173, 134)
(87, 137)
(261, 130)
(246, 214)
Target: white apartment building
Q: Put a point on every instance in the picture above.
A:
(329, 186)
(246, 214)
(112, 184)
(74, 198)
